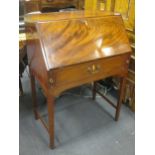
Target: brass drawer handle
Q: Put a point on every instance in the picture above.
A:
(94, 69)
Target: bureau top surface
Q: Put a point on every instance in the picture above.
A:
(44, 17)
(76, 37)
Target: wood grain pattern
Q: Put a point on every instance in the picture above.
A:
(89, 37)
(36, 63)
(79, 74)
(125, 7)
(73, 48)
(92, 38)
(44, 17)
(127, 10)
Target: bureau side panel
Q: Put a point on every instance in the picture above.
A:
(35, 57)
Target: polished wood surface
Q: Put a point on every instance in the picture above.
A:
(127, 9)
(96, 37)
(73, 48)
(44, 17)
(87, 72)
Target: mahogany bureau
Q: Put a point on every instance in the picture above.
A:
(69, 49)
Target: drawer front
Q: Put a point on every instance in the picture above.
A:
(91, 71)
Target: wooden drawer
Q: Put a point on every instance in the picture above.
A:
(91, 71)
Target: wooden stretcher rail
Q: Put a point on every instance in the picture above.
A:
(111, 103)
(43, 122)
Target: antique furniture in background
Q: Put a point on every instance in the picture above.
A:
(69, 49)
(129, 97)
(51, 5)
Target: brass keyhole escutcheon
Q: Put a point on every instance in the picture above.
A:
(94, 69)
